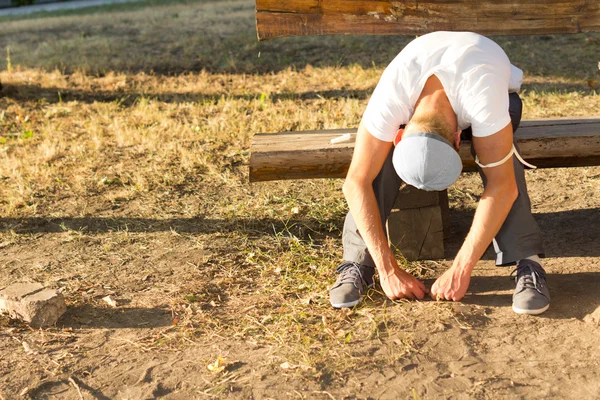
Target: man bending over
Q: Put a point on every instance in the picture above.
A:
(442, 86)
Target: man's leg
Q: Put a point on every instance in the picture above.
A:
(520, 240)
(357, 270)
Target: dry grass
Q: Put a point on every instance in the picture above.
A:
(124, 140)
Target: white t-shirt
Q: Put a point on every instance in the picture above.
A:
(475, 72)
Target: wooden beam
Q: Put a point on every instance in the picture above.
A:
(276, 18)
(546, 143)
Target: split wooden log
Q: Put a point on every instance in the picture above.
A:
(546, 143)
(418, 223)
(275, 18)
(418, 233)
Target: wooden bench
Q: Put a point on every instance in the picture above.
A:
(419, 219)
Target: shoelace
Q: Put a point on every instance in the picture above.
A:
(531, 279)
(350, 273)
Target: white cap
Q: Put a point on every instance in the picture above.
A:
(426, 161)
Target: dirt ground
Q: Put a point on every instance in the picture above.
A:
(127, 176)
(477, 348)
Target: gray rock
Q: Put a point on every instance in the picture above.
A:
(593, 317)
(32, 303)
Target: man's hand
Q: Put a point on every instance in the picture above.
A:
(399, 284)
(452, 285)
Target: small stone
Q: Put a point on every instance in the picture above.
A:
(32, 303)
(438, 327)
(30, 349)
(593, 318)
(461, 308)
(286, 365)
(110, 301)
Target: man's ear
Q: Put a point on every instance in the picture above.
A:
(457, 139)
(398, 136)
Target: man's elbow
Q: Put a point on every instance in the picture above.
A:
(348, 188)
(513, 190)
(506, 190)
(510, 191)
(352, 185)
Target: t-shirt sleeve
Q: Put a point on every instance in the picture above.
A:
(516, 79)
(386, 110)
(487, 106)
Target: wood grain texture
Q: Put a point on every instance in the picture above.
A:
(411, 197)
(546, 143)
(417, 232)
(360, 17)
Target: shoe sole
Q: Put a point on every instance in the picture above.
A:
(347, 305)
(530, 312)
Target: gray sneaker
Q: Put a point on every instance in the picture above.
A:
(352, 284)
(531, 294)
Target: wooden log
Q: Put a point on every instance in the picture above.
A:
(546, 143)
(409, 197)
(275, 18)
(418, 233)
(445, 210)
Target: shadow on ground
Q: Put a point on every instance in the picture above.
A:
(54, 95)
(565, 238)
(51, 388)
(198, 225)
(572, 233)
(573, 295)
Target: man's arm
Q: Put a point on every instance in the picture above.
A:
(498, 197)
(369, 155)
